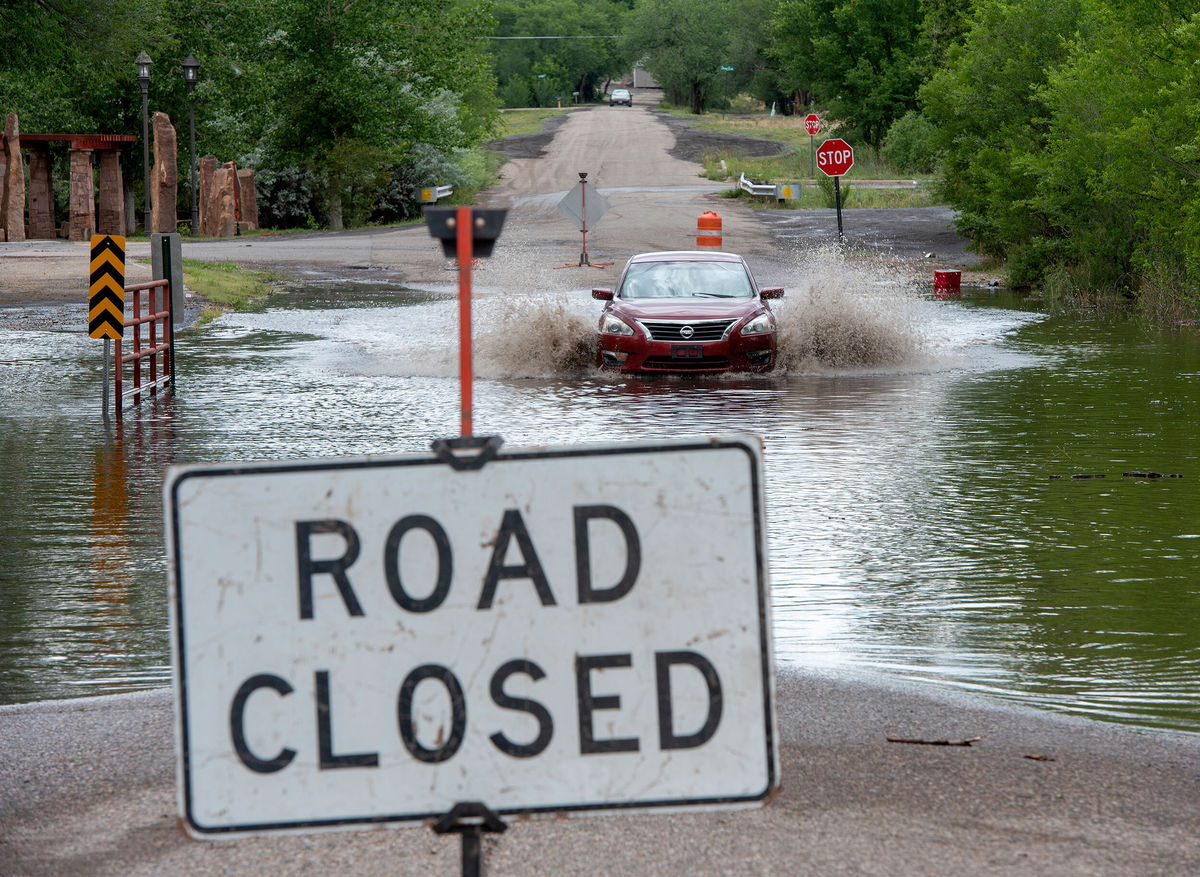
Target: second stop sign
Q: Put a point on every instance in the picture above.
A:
(835, 157)
(812, 124)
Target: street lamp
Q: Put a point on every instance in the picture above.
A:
(191, 70)
(143, 77)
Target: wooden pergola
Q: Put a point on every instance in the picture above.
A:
(84, 219)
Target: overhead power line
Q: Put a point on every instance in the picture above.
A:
(606, 36)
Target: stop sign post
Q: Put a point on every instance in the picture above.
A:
(834, 158)
(812, 124)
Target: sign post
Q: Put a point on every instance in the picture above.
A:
(812, 124)
(106, 297)
(465, 232)
(585, 210)
(834, 158)
(559, 630)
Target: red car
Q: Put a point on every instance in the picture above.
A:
(687, 312)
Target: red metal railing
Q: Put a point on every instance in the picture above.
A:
(158, 346)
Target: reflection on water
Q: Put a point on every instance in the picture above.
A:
(924, 520)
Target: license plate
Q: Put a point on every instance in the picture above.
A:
(687, 351)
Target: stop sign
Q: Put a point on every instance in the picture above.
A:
(835, 157)
(812, 124)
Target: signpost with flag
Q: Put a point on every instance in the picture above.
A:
(106, 295)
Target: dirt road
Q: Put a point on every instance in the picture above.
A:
(632, 156)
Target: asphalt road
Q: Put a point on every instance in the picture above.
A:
(87, 786)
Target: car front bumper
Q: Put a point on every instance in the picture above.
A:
(755, 353)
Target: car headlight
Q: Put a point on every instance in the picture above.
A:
(763, 324)
(611, 325)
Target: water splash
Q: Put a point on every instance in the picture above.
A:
(535, 335)
(839, 316)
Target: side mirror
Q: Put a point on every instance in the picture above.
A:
(606, 294)
(772, 292)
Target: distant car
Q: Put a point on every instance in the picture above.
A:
(620, 96)
(687, 312)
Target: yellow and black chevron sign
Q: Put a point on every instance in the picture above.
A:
(106, 287)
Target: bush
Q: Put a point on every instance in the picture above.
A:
(825, 185)
(909, 144)
(286, 198)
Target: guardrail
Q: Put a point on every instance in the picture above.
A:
(768, 190)
(433, 194)
(158, 350)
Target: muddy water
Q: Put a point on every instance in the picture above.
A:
(925, 520)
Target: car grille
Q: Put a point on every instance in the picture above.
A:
(703, 330)
(666, 363)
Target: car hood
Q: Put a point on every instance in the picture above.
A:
(687, 308)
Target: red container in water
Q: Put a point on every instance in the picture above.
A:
(947, 284)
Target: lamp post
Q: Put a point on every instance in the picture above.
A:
(143, 76)
(191, 70)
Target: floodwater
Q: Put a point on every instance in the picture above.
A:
(927, 514)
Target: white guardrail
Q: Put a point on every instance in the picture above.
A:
(433, 194)
(770, 190)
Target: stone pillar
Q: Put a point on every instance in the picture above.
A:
(222, 202)
(41, 194)
(3, 184)
(83, 196)
(112, 194)
(13, 203)
(165, 178)
(208, 166)
(249, 198)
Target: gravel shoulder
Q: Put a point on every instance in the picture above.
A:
(87, 786)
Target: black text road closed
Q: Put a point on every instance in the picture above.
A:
(374, 640)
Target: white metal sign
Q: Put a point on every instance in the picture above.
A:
(374, 640)
(584, 205)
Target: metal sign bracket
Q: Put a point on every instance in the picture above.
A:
(486, 447)
(470, 819)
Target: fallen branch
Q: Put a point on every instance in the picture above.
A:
(967, 742)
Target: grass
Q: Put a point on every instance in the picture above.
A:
(795, 163)
(227, 285)
(812, 197)
(514, 123)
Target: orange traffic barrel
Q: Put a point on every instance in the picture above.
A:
(708, 230)
(947, 284)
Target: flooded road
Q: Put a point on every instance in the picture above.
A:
(925, 518)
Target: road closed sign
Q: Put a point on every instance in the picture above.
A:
(374, 640)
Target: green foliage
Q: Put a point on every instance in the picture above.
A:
(686, 43)
(346, 96)
(540, 72)
(910, 144)
(992, 122)
(859, 58)
(829, 197)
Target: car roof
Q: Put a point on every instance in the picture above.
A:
(687, 256)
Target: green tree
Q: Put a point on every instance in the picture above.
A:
(684, 43)
(989, 106)
(1122, 179)
(356, 86)
(861, 59)
(578, 51)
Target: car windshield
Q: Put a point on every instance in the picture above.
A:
(686, 279)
